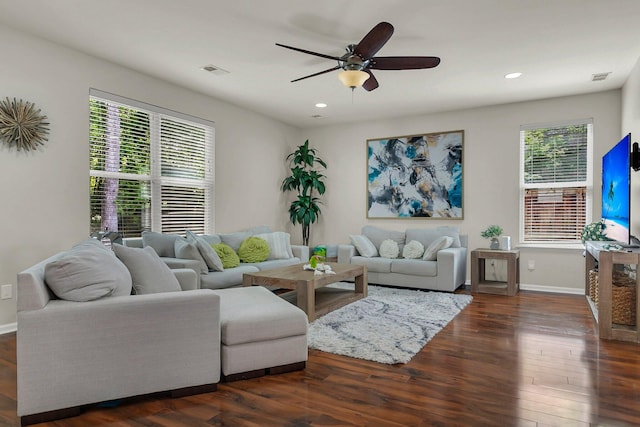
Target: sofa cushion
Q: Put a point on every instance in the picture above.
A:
(415, 267)
(207, 253)
(365, 247)
(234, 239)
(279, 244)
(86, 272)
(255, 314)
(148, 272)
(227, 255)
(211, 239)
(253, 249)
(378, 235)
(389, 249)
(431, 253)
(163, 244)
(375, 264)
(426, 236)
(413, 250)
(227, 278)
(185, 249)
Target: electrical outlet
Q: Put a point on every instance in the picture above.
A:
(6, 292)
(532, 265)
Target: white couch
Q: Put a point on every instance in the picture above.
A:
(446, 273)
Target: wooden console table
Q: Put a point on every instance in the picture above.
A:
(478, 280)
(607, 262)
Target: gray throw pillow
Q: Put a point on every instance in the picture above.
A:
(87, 272)
(187, 250)
(234, 239)
(210, 256)
(148, 272)
(161, 243)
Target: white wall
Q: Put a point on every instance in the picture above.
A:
(631, 123)
(491, 174)
(44, 194)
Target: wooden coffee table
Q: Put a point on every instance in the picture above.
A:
(305, 283)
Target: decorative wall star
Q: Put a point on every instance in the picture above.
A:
(22, 125)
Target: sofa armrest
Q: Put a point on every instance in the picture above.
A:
(300, 251)
(452, 268)
(164, 341)
(188, 279)
(345, 253)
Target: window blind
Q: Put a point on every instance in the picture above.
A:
(149, 170)
(555, 184)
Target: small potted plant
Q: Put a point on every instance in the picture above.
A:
(493, 232)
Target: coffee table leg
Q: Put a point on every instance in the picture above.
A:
(307, 299)
(361, 284)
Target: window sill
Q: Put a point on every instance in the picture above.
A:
(541, 245)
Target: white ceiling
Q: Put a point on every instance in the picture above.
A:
(556, 44)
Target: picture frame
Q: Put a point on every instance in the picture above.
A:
(416, 176)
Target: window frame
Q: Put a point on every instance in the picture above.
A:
(587, 184)
(155, 178)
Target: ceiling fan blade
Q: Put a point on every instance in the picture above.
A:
(371, 83)
(317, 74)
(321, 55)
(374, 40)
(403, 62)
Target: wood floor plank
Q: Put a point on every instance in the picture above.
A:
(529, 360)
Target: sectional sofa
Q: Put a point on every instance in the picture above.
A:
(181, 252)
(84, 338)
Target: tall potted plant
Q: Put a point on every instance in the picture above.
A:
(307, 181)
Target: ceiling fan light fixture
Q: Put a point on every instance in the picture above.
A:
(353, 78)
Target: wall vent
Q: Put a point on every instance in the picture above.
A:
(599, 77)
(213, 69)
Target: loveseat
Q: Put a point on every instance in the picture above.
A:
(441, 265)
(187, 252)
(84, 338)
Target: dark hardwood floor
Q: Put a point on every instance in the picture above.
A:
(529, 360)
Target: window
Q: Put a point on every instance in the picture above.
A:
(150, 168)
(556, 188)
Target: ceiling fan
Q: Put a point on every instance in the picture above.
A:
(359, 59)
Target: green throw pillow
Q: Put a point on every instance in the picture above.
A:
(254, 249)
(227, 255)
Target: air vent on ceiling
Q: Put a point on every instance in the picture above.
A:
(317, 116)
(599, 77)
(214, 69)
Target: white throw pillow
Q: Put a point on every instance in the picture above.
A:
(279, 243)
(413, 250)
(431, 253)
(389, 249)
(363, 245)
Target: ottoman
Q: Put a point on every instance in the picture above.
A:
(260, 333)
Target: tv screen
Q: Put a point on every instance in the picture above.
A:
(616, 191)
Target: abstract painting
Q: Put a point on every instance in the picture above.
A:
(415, 176)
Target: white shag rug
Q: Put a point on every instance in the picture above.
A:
(388, 326)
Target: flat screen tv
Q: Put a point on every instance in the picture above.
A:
(616, 191)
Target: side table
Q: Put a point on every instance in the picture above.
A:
(479, 284)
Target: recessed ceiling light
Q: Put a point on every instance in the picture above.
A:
(512, 75)
(321, 105)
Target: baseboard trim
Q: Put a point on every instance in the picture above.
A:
(543, 288)
(552, 289)
(8, 328)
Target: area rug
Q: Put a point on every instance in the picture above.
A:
(388, 326)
